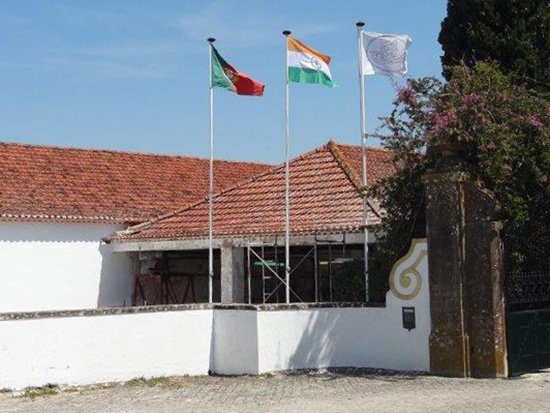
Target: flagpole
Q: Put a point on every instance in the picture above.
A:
(211, 180)
(362, 124)
(286, 33)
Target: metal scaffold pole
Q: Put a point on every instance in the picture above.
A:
(315, 268)
(249, 268)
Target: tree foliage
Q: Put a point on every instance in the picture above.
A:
(513, 33)
(502, 130)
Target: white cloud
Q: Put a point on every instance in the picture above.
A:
(129, 50)
(85, 16)
(110, 68)
(243, 26)
(130, 41)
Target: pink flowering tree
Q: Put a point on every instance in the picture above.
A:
(498, 131)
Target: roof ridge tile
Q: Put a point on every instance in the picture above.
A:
(123, 152)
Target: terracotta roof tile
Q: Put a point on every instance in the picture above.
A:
(379, 162)
(64, 184)
(324, 198)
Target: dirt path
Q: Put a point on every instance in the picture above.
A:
(347, 391)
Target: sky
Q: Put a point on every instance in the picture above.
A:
(132, 75)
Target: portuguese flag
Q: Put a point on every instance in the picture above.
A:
(226, 76)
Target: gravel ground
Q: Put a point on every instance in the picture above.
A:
(340, 391)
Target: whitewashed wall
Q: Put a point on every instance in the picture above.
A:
(339, 337)
(353, 337)
(99, 349)
(235, 342)
(226, 340)
(54, 266)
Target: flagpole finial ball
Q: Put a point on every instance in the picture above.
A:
(360, 24)
(211, 40)
(286, 32)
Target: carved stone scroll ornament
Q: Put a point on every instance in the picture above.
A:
(406, 282)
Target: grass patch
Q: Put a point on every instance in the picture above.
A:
(267, 376)
(71, 390)
(150, 381)
(40, 392)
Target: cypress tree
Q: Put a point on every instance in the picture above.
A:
(513, 33)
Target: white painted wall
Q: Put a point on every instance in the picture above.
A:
(55, 266)
(235, 342)
(99, 349)
(345, 337)
(102, 348)
(349, 337)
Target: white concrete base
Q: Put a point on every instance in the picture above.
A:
(235, 342)
(100, 349)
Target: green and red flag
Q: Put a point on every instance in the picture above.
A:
(226, 76)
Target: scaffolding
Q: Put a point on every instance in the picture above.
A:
(317, 273)
(270, 261)
(267, 271)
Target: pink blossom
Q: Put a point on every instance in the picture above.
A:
(407, 95)
(503, 97)
(535, 122)
(471, 99)
(443, 120)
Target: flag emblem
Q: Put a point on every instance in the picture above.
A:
(316, 63)
(384, 54)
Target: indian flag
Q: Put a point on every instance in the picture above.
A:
(306, 65)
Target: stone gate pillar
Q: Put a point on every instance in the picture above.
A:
(468, 337)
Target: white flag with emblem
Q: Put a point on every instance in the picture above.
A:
(384, 54)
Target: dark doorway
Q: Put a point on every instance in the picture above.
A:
(175, 277)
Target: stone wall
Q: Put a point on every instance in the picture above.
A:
(466, 277)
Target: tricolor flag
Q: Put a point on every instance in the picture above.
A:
(307, 65)
(226, 76)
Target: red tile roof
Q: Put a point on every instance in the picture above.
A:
(379, 162)
(51, 183)
(325, 185)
